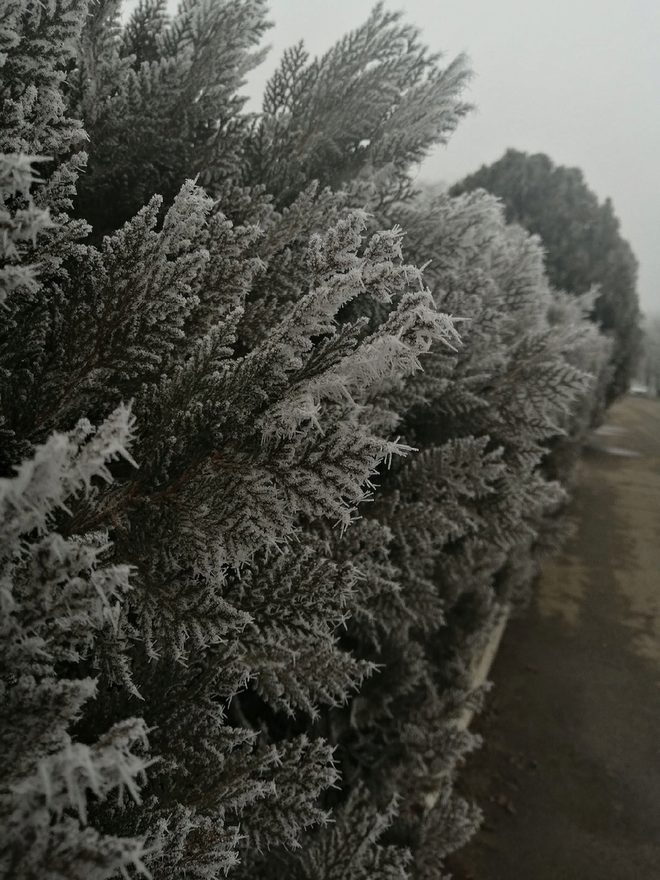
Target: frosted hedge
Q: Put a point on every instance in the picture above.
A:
(281, 436)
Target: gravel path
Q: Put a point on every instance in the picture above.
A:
(569, 778)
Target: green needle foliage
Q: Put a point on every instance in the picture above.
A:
(250, 548)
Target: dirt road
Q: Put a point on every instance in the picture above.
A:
(569, 778)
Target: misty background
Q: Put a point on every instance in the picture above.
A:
(576, 79)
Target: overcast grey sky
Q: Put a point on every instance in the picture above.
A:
(576, 79)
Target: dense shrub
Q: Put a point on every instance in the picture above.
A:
(239, 613)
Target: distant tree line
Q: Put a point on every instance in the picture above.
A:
(649, 362)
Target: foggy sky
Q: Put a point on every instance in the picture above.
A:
(576, 79)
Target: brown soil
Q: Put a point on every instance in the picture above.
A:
(569, 777)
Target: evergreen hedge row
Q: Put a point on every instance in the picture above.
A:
(281, 437)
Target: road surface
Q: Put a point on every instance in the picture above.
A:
(569, 777)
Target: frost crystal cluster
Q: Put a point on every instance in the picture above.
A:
(265, 483)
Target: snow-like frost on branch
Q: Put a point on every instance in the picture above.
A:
(58, 596)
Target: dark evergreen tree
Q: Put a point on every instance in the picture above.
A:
(582, 241)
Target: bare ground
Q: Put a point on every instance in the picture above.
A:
(569, 777)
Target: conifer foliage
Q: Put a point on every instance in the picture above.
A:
(583, 242)
(249, 546)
